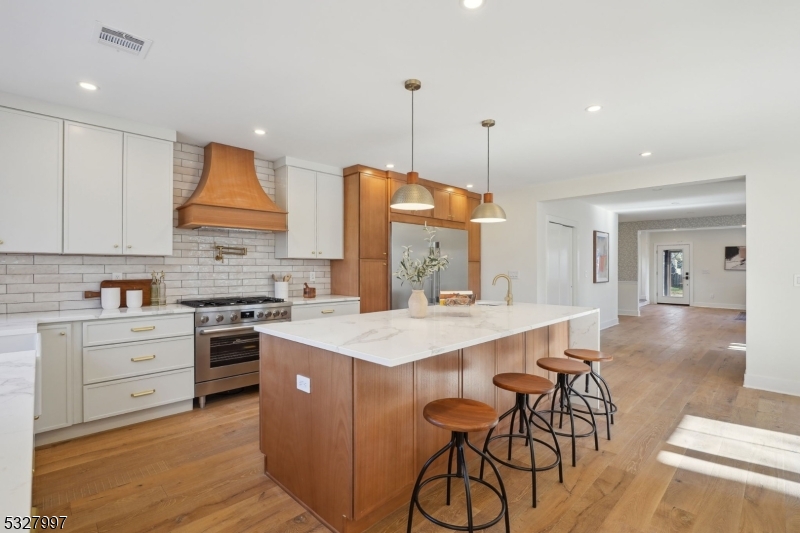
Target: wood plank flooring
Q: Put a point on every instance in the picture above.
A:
(692, 451)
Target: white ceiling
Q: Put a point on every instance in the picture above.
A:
(680, 78)
(724, 197)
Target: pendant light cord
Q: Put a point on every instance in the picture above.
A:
(412, 131)
(487, 159)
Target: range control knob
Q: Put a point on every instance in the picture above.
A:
(234, 317)
(220, 318)
(268, 315)
(203, 319)
(284, 312)
(260, 314)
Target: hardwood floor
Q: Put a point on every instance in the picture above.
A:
(692, 450)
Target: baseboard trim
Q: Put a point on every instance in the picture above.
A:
(628, 312)
(609, 323)
(738, 307)
(113, 422)
(779, 385)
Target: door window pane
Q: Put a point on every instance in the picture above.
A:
(673, 273)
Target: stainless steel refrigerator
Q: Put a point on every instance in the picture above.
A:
(452, 242)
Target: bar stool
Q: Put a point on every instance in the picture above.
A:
(564, 391)
(460, 416)
(523, 385)
(589, 357)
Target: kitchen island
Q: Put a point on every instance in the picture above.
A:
(350, 446)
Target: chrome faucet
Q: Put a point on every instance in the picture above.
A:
(509, 296)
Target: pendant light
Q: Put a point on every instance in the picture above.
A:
(488, 211)
(412, 196)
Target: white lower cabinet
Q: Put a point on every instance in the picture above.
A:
(323, 310)
(135, 364)
(57, 381)
(134, 394)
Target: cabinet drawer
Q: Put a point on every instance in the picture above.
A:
(104, 363)
(309, 311)
(127, 395)
(100, 332)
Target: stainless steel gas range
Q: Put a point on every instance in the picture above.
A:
(226, 347)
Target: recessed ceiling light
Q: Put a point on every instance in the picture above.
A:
(472, 4)
(646, 154)
(469, 185)
(88, 86)
(594, 108)
(259, 132)
(389, 165)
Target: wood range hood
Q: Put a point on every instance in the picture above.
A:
(229, 194)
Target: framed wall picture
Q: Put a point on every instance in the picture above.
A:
(736, 258)
(601, 251)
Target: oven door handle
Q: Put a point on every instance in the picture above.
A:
(224, 330)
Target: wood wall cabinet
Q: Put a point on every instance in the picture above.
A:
(315, 202)
(56, 383)
(30, 182)
(117, 192)
(449, 205)
(373, 285)
(367, 228)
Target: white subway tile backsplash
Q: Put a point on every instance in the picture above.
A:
(52, 282)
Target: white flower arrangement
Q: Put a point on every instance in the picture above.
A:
(416, 271)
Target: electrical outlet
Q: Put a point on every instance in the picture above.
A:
(712, 295)
(312, 276)
(797, 280)
(513, 274)
(116, 275)
(304, 383)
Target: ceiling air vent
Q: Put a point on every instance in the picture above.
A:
(120, 40)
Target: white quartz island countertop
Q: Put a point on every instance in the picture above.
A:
(392, 338)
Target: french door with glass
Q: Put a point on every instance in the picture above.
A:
(673, 281)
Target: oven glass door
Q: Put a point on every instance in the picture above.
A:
(225, 351)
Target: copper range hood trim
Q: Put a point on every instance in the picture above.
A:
(229, 194)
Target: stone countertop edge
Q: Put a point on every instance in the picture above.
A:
(26, 323)
(420, 354)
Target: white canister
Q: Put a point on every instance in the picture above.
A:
(133, 299)
(282, 289)
(109, 297)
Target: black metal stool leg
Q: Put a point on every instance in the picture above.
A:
(612, 407)
(462, 463)
(415, 492)
(533, 455)
(591, 413)
(450, 471)
(555, 441)
(511, 429)
(504, 497)
(606, 406)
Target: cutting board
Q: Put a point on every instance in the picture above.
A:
(124, 285)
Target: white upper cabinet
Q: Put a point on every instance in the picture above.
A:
(92, 190)
(315, 202)
(117, 192)
(147, 179)
(30, 182)
(330, 216)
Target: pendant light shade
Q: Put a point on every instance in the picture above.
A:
(488, 211)
(412, 196)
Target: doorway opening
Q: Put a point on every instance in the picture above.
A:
(673, 279)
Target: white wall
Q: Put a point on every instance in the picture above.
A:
(718, 287)
(773, 189)
(521, 244)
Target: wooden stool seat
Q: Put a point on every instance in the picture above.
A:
(563, 366)
(460, 415)
(523, 383)
(592, 356)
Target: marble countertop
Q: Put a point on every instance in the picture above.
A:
(324, 299)
(26, 323)
(17, 376)
(392, 338)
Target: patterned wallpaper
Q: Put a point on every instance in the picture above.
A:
(629, 242)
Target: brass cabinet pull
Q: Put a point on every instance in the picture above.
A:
(144, 328)
(36, 417)
(63, 333)
(319, 253)
(143, 393)
(327, 311)
(1, 241)
(143, 358)
(116, 246)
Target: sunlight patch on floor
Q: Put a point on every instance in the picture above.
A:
(738, 346)
(749, 445)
